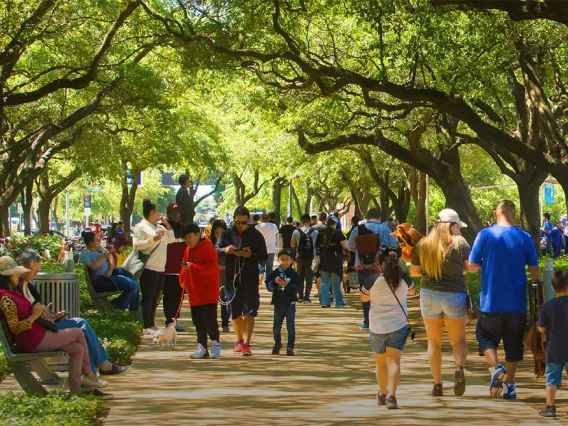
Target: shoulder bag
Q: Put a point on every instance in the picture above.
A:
(411, 334)
(136, 262)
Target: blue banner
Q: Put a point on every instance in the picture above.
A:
(548, 193)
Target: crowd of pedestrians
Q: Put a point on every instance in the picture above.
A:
(226, 264)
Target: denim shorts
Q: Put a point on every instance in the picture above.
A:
(437, 304)
(396, 340)
(554, 373)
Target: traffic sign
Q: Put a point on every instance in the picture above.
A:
(87, 201)
(87, 211)
(94, 190)
(548, 193)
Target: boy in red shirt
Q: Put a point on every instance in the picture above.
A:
(199, 276)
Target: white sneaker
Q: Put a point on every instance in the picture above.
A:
(215, 349)
(98, 383)
(199, 353)
(149, 332)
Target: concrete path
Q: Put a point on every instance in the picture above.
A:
(330, 381)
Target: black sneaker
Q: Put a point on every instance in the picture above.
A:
(226, 329)
(116, 369)
(276, 349)
(438, 390)
(290, 352)
(391, 403)
(548, 411)
(381, 399)
(326, 306)
(459, 385)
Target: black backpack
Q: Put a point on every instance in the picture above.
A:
(306, 245)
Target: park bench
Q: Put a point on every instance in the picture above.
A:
(22, 364)
(100, 299)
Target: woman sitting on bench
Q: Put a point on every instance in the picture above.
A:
(106, 277)
(30, 259)
(31, 336)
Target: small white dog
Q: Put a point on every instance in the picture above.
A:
(166, 337)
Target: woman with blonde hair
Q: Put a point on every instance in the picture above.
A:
(440, 258)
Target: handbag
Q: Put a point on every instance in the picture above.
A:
(47, 324)
(136, 262)
(470, 304)
(316, 263)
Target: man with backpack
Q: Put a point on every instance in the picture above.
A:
(304, 240)
(365, 240)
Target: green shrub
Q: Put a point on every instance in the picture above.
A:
(4, 369)
(38, 242)
(120, 333)
(50, 410)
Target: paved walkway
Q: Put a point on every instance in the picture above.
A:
(331, 381)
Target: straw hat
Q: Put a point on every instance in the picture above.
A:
(8, 267)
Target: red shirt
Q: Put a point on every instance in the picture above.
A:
(201, 281)
(27, 340)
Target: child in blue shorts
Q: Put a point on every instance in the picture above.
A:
(554, 322)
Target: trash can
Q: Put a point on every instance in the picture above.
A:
(59, 289)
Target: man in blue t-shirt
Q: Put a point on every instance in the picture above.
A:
(502, 252)
(546, 232)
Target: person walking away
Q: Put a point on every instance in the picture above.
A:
(320, 222)
(545, 234)
(351, 262)
(284, 284)
(502, 252)
(217, 228)
(152, 239)
(244, 248)
(200, 278)
(304, 242)
(173, 292)
(330, 245)
(365, 261)
(105, 277)
(440, 259)
(270, 233)
(553, 322)
(183, 200)
(31, 336)
(556, 239)
(286, 232)
(388, 332)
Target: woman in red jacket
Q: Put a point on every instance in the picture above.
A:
(199, 277)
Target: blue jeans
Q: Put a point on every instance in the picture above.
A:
(130, 297)
(327, 279)
(97, 353)
(288, 312)
(265, 268)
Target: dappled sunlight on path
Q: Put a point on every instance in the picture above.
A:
(330, 381)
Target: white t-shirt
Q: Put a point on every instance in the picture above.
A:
(270, 233)
(385, 315)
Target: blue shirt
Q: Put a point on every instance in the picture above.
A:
(547, 227)
(554, 317)
(373, 226)
(87, 257)
(503, 252)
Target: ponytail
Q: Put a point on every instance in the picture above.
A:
(329, 228)
(389, 265)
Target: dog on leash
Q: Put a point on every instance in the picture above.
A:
(166, 337)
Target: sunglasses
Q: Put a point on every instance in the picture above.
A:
(241, 222)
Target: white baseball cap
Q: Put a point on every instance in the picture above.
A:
(450, 216)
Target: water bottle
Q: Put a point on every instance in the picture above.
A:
(69, 263)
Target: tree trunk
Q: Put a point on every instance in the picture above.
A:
(127, 198)
(277, 198)
(43, 212)
(296, 202)
(27, 200)
(54, 216)
(417, 183)
(5, 229)
(385, 208)
(530, 211)
(308, 205)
